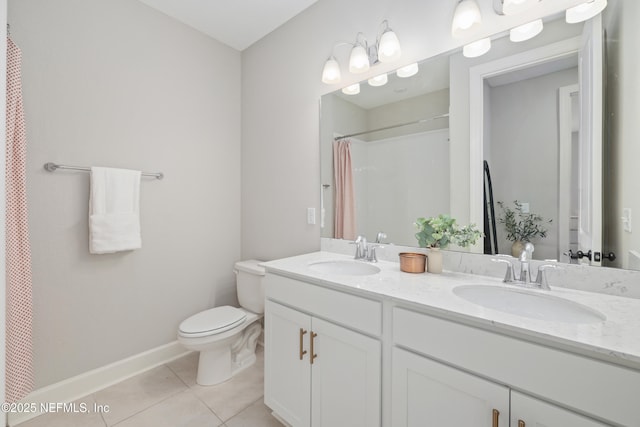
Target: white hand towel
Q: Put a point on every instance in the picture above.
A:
(114, 210)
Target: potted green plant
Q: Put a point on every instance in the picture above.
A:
(521, 227)
(438, 232)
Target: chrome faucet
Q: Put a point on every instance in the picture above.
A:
(371, 248)
(367, 251)
(525, 273)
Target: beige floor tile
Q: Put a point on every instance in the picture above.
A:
(231, 397)
(181, 410)
(186, 368)
(138, 393)
(70, 419)
(256, 415)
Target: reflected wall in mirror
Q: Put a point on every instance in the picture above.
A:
(530, 139)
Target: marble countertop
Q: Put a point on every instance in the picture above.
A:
(616, 339)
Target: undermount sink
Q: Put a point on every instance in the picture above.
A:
(528, 304)
(344, 267)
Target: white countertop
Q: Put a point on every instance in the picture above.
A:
(616, 339)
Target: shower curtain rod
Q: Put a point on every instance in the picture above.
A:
(441, 116)
(51, 167)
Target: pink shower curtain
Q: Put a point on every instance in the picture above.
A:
(345, 218)
(19, 366)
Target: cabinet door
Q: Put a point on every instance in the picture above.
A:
(428, 393)
(345, 381)
(287, 374)
(529, 412)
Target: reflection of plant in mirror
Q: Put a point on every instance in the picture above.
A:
(522, 226)
(438, 232)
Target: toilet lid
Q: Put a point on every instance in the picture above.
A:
(212, 321)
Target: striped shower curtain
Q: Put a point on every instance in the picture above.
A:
(19, 360)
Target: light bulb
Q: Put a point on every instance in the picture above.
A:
(585, 11)
(380, 80)
(354, 89)
(389, 47)
(331, 71)
(526, 31)
(359, 60)
(408, 70)
(467, 15)
(477, 48)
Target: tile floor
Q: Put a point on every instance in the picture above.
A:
(168, 396)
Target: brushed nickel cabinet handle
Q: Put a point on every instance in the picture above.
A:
(313, 355)
(302, 352)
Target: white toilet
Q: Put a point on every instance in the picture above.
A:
(226, 336)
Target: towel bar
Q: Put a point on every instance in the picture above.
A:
(51, 167)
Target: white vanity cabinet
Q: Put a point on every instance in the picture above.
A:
(446, 373)
(318, 372)
(425, 391)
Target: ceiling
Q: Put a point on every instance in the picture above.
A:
(236, 23)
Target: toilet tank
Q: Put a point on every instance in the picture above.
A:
(250, 285)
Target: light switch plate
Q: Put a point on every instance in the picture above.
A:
(311, 216)
(626, 219)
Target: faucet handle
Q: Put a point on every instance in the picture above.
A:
(371, 252)
(381, 235)
(509, 276)
(361, 247)
(541, 277)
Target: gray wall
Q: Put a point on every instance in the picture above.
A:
(116, 83)
(622, 107)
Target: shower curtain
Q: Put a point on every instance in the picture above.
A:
(19, 347)
(344, 221)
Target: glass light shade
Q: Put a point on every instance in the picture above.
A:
(407, 70)
(467, 15)
(331, 71)
(526, 31)
(380, 80)
(585, 11)
(389, 47)
(512, 7)
(359, 60)
(352, 90)
(478, 48)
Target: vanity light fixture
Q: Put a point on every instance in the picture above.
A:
(477, 48)
(407, 70)
(354, 89)
(331, 71)
(584, 11)
(466, 15)
(526, 31)
(380, 80)
(363, 56)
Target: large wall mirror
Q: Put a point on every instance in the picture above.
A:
(530, 116)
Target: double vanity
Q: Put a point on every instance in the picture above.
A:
(350, 343)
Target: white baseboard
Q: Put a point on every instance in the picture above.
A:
(84, 384)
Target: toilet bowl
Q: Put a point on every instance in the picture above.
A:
(226, 336)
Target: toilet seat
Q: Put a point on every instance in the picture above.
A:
(213, 321)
